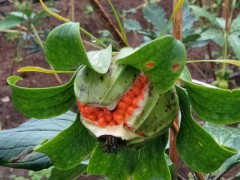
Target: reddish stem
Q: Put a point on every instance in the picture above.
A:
(108, 22)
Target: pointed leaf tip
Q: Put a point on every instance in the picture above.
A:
(42, 102)
(196, 147)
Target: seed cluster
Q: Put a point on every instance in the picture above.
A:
(125, 107)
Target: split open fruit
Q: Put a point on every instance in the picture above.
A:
(123, 103)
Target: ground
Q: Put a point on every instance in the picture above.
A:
(9, 116)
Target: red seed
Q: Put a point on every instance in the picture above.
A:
(100, 114)
(136, 90)
(108, 117)
(91, 117)
(102, 122)
(120, 111)
(112, 123)
(127, 100)
(89, 109)
(106, 111)
(138, 84)
(143, 78)
(135, 102)
(131, 94)
(122, 105)
(140, 98)
(130, 110)
(80, 106)
(118, 117)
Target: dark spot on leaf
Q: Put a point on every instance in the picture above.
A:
(175, 67)
(101, 78)
(149, 64)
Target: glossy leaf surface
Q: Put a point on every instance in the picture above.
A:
(70, 147)
(11, 21)
(162, 60)
(115, 166)
(195, 146)
(215, 105)
(65, 50)
(16, 147)
(226, 136)
(64, 47)
(100, 60)
(69, 174)
(42, 102)
(155, 15)
(152, 162)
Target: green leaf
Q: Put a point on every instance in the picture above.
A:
(155, 15)
(219, 106)
(152, 162)
(228, 61)
(69, 174)
(216, 35)
(42, 70)
(195, 146)
(64, 47)
(42, 102)
(16, 147)
(65, 50)
(11, 21)
(235, 25)
(188, 17)
(234, 43)
(115, 166)
(200, 12)
(162, 60)
(132, 25)
(186, 75)
(100, 60)
(226, 136)
(70, 147)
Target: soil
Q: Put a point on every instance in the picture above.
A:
(9, 116)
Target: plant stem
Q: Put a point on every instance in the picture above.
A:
(209, 50)
(112, 28)
(67, 20)
(226, 13)
(119, 23)
(40, 43)
(73, 10)
(177, 32)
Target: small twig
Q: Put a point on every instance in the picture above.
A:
(209, 50)
(199, 176)
(73, 10)
(219, 177)
(177, 32)
(112, 28)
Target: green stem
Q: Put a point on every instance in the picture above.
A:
(227, 61)
(176, 8)
(12, 31)
(67, 20)
(225, 48)
(119, 23)
(39, 41)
